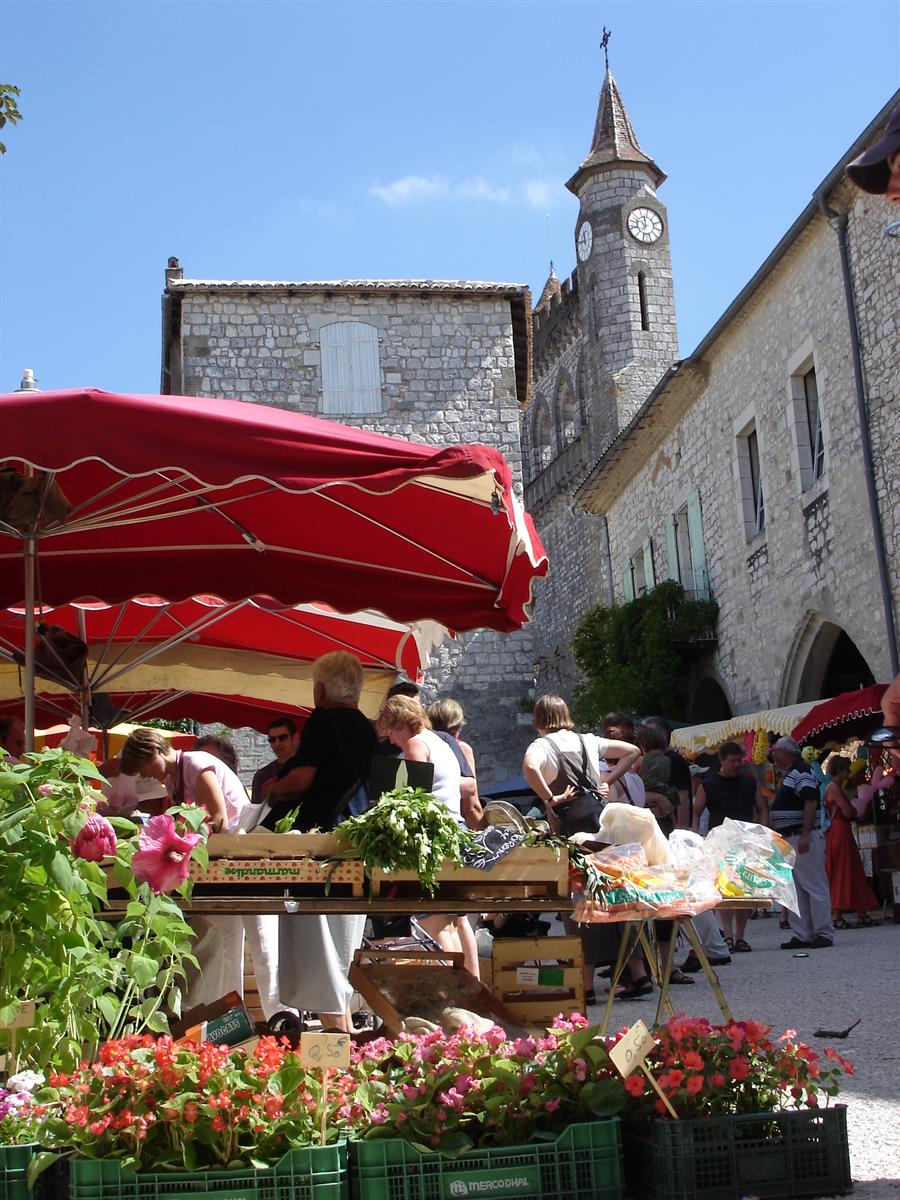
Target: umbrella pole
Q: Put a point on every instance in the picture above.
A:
(85, 690)
(30, 552)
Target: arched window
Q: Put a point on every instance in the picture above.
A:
(567, 413)
(543, 438)
(581, 390)
(351, 371)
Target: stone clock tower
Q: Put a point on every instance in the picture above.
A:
(624, 268)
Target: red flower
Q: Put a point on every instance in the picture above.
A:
(95, 840)
(717, 1080)
(634, 1085)
(740, 1068)
(692, 1061)
(164, 856)
(694, 1084)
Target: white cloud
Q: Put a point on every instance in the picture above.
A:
(420, 189)
(411, 189)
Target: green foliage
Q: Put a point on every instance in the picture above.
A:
(636, 656)
(9, 108)
(89, 978)
(180, 725)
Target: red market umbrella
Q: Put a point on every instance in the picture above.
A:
(104, 495)
(154, 654)
(851, 714)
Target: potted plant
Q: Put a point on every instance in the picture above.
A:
(751, 1117)
(155, 1115)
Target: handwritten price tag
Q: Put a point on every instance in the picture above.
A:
(324, 1050)
(628, 1054)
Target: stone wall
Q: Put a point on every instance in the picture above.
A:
(448, 375)
(814, 561)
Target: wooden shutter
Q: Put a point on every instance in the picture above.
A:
(698, 546)
(351, 370)
(649, 573)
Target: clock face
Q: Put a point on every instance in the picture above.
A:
(585, 241)
(645, 225)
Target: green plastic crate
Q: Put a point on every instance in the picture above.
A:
(791, 1154)
(315, 1173)
(14, 1162)
(584, 1162)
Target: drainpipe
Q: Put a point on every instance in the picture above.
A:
(607, 555)
(838, 222)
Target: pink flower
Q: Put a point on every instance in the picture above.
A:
(45, 789)
(95, 840)
(164, 856)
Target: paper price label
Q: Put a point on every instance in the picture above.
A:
(25, 1019)
(324, 1050)
(527, 976)
(630, 1052)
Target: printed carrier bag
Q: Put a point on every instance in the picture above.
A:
(751, 860)
(620, 886)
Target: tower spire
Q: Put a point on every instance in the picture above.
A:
(614, 138)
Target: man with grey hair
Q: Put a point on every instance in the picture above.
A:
(334, 756)
(795, 815)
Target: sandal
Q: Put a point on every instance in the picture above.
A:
(863, 921)
(729, 942)
(636, 988)
(678, 976)
(784, 923)
(590, 997)
(742, 947)
(840, 923)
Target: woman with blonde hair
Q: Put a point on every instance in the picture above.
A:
(406, 724)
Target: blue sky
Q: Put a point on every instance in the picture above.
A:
(354, 140)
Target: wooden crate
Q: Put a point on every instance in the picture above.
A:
(525, 872)
(538, 1002)
(420, 983)
(267, 858)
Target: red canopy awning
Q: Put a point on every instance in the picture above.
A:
(181, 496)
(851, 714)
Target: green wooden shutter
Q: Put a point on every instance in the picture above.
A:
(627, 582)
(672, 548)
(698, 548)
(649, 574)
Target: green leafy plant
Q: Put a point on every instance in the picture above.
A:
(636, 656)
(88, 977)
(9, 107)
(407, 830)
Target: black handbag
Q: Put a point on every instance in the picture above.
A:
(582, 813)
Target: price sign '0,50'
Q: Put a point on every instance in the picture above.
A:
(318, 1050)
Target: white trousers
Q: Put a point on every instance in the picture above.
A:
(706, 926)
(813, 892)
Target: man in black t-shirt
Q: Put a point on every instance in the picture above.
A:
(730, 793)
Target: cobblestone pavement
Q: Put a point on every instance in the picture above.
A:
(858, 979)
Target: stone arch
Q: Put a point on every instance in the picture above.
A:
(567, 423)
(823, 661)
(709, 702)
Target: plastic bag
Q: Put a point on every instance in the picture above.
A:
(621, 886)
(751, 860)
(623, 824)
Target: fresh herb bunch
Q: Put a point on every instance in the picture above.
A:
(407, 830)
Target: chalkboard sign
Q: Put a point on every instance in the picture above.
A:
(494, 843)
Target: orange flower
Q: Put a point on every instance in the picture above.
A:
(634, 1085)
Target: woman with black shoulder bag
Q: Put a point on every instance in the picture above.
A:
(564, 769)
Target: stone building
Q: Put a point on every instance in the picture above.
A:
(744, 468)
(433, 361)
(602, 339)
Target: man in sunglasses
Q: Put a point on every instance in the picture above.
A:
(284, 739)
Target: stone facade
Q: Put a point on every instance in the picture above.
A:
(792, 592)
(452, 367)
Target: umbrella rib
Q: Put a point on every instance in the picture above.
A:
(333, 639)
(406, 539)
(291, 551)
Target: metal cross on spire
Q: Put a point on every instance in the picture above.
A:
(604, 43)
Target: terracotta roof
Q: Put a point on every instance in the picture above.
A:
(614, 138)
(475, 287)
(551, 288)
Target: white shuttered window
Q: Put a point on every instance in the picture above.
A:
(351, 371)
